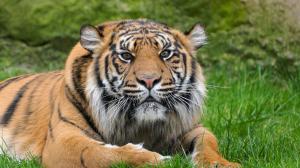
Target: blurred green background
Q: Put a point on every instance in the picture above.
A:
(251, 61)
(256, 32)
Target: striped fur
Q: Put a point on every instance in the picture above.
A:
(126, 82)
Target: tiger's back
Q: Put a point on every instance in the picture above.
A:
(26, 103)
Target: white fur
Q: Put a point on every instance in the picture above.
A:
(98, 110)
(150, 112)
(193, 157)
(137, 146)
(111, 146)
(90, 38)
(194, 154)
(197, 36)
(165, 157)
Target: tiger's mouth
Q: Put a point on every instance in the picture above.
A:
(150, 110)
(150, 99)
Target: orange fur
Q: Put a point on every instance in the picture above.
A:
(49, 115)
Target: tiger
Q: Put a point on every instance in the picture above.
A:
(131, 91)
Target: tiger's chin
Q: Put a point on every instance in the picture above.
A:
(149, 112)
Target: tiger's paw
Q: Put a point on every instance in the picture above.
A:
(137, 155)
(213, 161)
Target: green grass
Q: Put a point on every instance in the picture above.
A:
(252, 59)
(9, 162)
(253, 112)
(255, 115)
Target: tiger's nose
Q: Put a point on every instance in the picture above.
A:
(149, 80)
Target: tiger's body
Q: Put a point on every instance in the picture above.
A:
(125, 83)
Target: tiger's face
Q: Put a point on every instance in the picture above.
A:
(144, 71)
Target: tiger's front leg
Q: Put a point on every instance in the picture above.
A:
(205, 149)
(70, 147)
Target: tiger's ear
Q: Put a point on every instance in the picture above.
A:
(90, 37)
(197, 36)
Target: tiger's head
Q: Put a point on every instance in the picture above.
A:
(143, 72)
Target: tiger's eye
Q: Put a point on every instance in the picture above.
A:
(165, 54)
(127, 57)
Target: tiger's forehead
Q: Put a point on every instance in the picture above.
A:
(141, 26)
(142, 32)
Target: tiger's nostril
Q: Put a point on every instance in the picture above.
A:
(149, 81)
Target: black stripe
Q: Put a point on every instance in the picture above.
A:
(101, 30)
(51, 102)
(165, 89)
(185, 65)
(132, 91)
(130, 111)
(160, 32)
(112, 47)
(14, 104)
(167, 83)
(177, 44)
(127, 45)
(121, 23)
(50, 129)
(112, 39)
(178, 76)
(130, 85)
(106, 98)
(192, 78)
(9, 81)
(124, 33)
(191, 147)
(78, 105)
(77, 68)
(121, 44)
(97, 73)
(106, 67)
(97, 137)
(37, 86)
(81, 110)
(117, 66)
(163, 40)
(186, 98)
(28, 110)
(107, 75)
(66, 120)
(82, 162)
(127, 40)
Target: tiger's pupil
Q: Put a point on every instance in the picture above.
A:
(165, 54)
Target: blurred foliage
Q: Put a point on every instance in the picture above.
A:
(247, 108)
(41, 33)
(39, 22)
